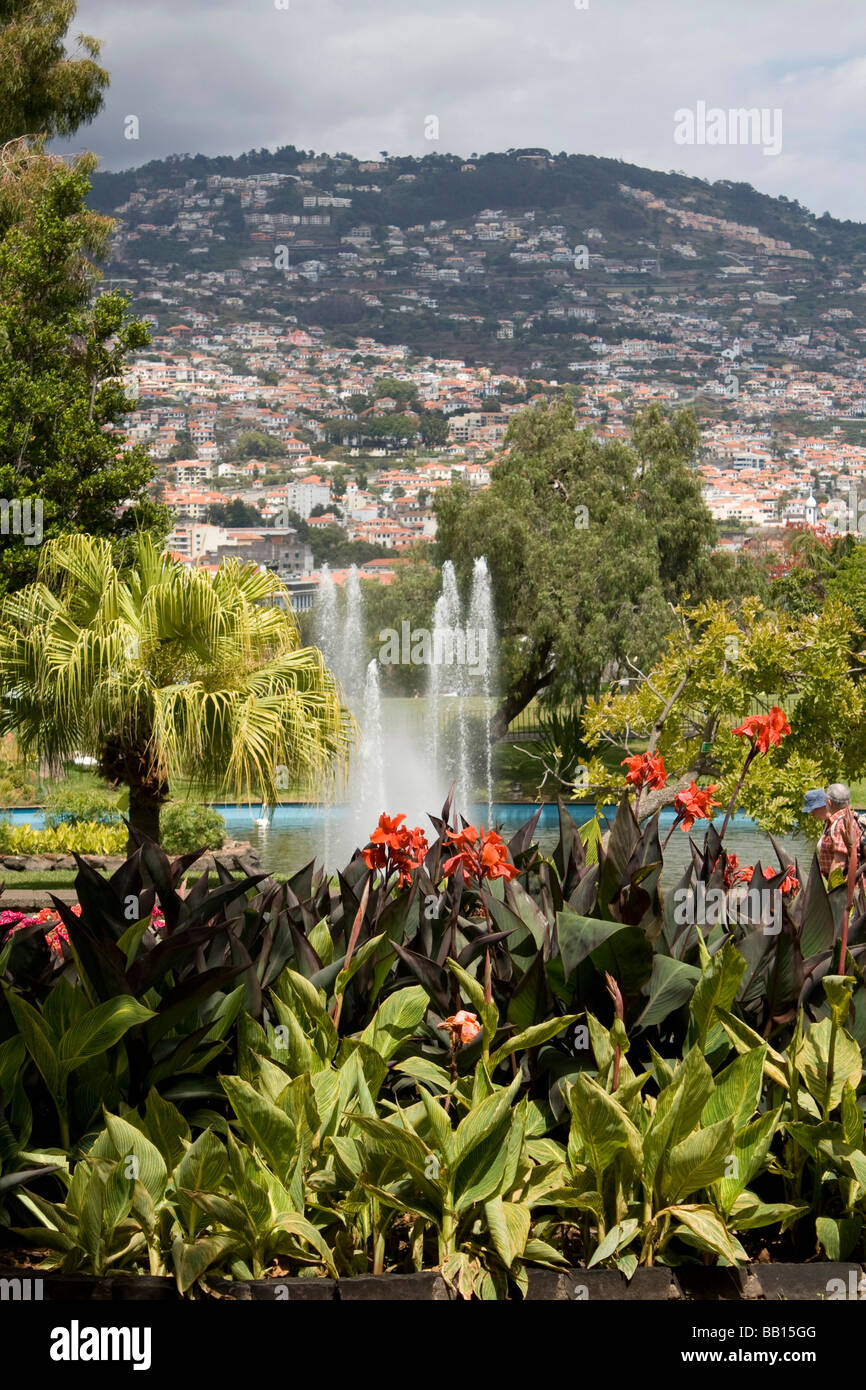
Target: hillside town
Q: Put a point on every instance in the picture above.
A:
(246, 398)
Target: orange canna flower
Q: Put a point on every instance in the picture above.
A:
(463, 1025)
(395, 848)
(645, 770)
(694, 803)
(790, 883)
(481, 856)
(765, 730)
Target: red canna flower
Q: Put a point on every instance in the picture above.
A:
(765, 730)
(694, 803)
(645, 770)
(790, 883)
(394, 848)
(481, 856)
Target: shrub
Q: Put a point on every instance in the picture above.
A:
(84, 837)
(73, 806)
(185, 826)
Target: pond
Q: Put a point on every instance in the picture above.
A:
(299, 833)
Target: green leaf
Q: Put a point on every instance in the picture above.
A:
(670, 985)
(580, 936)
(440, 1125)
(475, 1127)
(422, 1069)
(749, 1214)
(119, 1190)
(708, 1230)
(359, 959)
(838, 1239)
(717, 988)
(396, 1019)
(130, 1142)
(697, 1161)
(531, 1037)
(90, 1225)
(852, 1117)
(167, 1128)
(738, 1090)
(508, 1224)
(302, 1229)
(99, 1030)
(191, 1261)
(837, 992)
(601, 1125)
(617, 1237)
(813, 1058)
(745, 1039)
(489, 1168)
(40, 1041)
(678, 1109)
(130, 941)
(265, 1125)
(201, 1168)
(750, 1149)
(395, 1141)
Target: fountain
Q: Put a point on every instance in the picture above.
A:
(396, 766)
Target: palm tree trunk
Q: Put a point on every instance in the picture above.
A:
(143, 814)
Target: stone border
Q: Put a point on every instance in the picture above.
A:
(690, 1283)
(232, 852)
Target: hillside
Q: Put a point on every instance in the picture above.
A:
(522, 260)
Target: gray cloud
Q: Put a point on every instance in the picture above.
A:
(220, 77)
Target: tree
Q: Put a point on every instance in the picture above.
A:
(405, 393)
(409, 598)
(235, 512)
(588, 544)
(330, 546)
(161, 671)
(723, 662)
(43, 91)
(183, 448)
(62, 358)
(254, 444)
(434, 428)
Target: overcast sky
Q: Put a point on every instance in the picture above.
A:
(224, 76)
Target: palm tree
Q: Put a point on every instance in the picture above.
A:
(160, 671)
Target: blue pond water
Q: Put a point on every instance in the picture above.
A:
(299, 832)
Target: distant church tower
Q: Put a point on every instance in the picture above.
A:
(811, 510)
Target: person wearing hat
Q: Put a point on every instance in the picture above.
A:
(815, 804)
(834, 846)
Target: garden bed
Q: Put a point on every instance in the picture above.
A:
(229, 856)
(771, 1282)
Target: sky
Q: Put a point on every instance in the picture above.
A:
(603, 77)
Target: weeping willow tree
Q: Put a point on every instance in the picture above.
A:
(160, 672)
